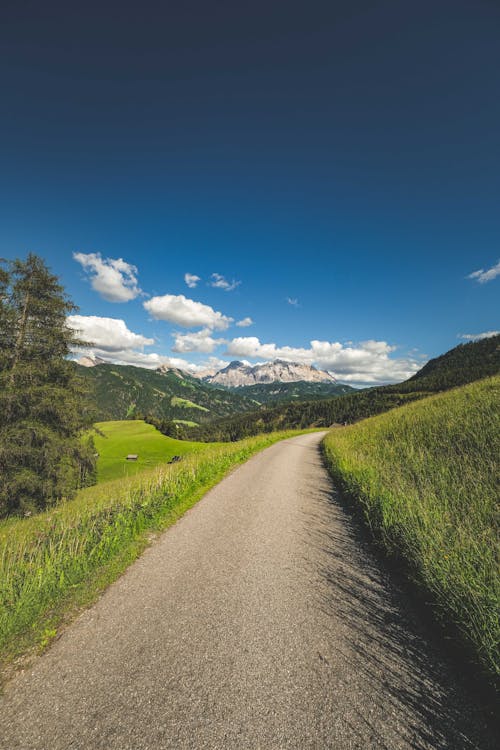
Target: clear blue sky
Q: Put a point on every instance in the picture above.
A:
(345, 156)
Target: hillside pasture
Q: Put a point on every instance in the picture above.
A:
(185, 403)
(115, 440)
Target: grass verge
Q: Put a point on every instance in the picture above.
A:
(426, 476)
(54, 563)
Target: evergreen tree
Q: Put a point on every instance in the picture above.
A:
(42, 404)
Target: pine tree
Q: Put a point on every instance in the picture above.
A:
(42, 406)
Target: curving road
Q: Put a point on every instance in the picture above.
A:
(260, 620)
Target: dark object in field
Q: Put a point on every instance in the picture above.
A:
(174, 459)
(132, 457)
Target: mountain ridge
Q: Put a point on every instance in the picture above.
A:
(237, 374)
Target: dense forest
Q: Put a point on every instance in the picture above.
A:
(300, 390)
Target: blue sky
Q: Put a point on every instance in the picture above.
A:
(345, 156)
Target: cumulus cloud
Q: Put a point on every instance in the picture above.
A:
(191, 280)
(201, 341)
(113, 278)
(478, 336)
(219, 282)
(109, 339)
(140, 359)
(245, 323)
(483, 276)
(209, 367)
(366, 363)
(106, 334)
(250, 346)
(186, 312)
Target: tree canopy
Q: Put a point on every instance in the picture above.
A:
(42, 406)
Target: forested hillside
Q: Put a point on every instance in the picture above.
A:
(463, 364)
(275, 393)
(127, 392)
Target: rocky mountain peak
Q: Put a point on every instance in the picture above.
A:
(279, 371)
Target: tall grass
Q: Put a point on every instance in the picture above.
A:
(427, 478)
(59, 557)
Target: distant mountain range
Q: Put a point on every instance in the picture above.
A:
(277, 393)
(125, 392)
(461, 365)
(238, 374)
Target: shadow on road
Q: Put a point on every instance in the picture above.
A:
(421, 695)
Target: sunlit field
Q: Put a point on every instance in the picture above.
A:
(114, 441)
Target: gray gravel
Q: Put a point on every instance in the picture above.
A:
(260, 620)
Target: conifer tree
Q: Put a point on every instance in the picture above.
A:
(42, 406)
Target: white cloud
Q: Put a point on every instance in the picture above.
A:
(478, 336)
(191, 280)
(245, 323)
(106, 334)
(367, 363)
(109, 339)
(293, 301)
(210, 367)
(186, 312)
(219, 282)
(201, 341)
(140, 359)
(250, 346)
(483, 276)
(114, 279)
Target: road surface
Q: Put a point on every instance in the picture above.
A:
(260, 620)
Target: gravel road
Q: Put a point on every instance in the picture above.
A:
(260, 620)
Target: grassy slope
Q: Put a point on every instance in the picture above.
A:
(426, 476)
(56, 562)
(186, 404)
(120, 438)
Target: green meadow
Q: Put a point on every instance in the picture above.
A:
(185, 403)
(115, 440)
(427, 478)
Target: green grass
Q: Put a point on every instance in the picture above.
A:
(53, 563)
(120, 438)
(186, 403)
(426, 476)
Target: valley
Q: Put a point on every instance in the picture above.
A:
(127, 392)
(250, 376)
